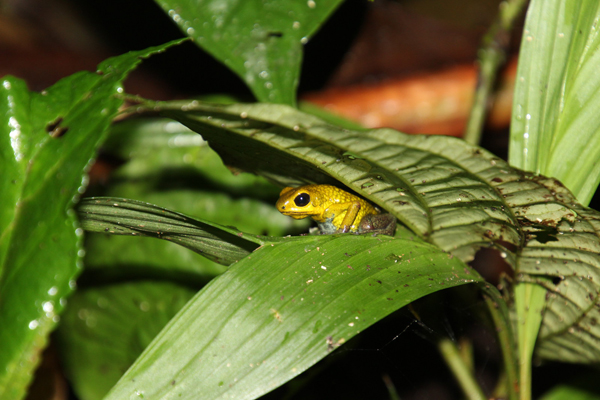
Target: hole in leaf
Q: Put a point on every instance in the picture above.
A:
(556, 280)
(491, 265)
(54, 128)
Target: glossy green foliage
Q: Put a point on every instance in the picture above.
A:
(555, 123)
(294, 268)
(452, 194)
(285, 303)
(240, 338)
(260, 40)
(555, 131)
(47, 141)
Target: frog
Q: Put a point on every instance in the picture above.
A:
(334, 210)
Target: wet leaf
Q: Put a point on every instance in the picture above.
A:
(452, 194)
(163, 162)
(260, 40)
(555, 122)
(47, 140)
(158, 155)
(240, 338)
(554, 131)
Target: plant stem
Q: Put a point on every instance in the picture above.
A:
(460, 369)
(390, 387)
(530, 300)
(499, 313)
(492, 55)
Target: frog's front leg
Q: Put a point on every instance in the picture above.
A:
(349, 219)
(378, 224)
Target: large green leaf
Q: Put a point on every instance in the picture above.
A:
(452, 194)
(47, 140)
(555, 123)
(260, 40)
(554, 131)
(239, 337)
(170, 165)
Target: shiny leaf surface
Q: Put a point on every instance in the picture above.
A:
(555, 127)
(239, 338)
(47, 140)
(260, 40)
(165, 163)
(452, 194)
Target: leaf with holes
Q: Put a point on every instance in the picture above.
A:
(455, 195)
(260, 40)
(46, 142)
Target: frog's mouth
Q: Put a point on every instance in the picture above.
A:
(295, 214)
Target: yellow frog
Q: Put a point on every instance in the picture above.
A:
(334, 210)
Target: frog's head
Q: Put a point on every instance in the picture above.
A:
(299, 202)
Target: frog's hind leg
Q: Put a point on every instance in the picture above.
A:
(378, 224)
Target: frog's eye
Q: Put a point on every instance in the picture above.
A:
(302, 199)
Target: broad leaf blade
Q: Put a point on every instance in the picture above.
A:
(554, 131)
(239, 338)
(454, 195)
(555, 124)
(568, 267)
(40, 249)
(443, 189)
(161, 154)
(260, 40)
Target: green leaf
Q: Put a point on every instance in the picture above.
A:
(555, 123)
(452, 194)
(130, 217)
(47, 140)
(570, 392)
(260, 40)
(554, 131)
(104, 329)
(170, 165)
(241, 338)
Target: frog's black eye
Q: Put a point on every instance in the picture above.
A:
(302, 199)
